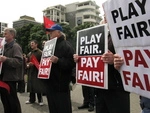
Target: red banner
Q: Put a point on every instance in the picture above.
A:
(45, 67)
(91, 71)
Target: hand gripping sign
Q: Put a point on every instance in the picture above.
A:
(129, 24)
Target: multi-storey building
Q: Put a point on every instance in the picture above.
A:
(24, 20)
(56, 13)
(2, 27)
(75, 13)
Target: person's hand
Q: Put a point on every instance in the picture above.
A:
(29, 64)
(108, 57)
(75, 57)
(3, 58)
(54, 59)
(118, 61)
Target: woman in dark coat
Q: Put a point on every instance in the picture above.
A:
(34, 84)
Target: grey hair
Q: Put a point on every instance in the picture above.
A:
(11, 30)
(63, 35)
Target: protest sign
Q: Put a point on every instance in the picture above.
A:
(91, 44)
(129, 24)
(45, 64)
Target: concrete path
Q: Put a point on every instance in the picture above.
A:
(77, 100)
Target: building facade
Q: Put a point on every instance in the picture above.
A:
(2, 27)
(56, 13)
(75, 13)
(24, 20)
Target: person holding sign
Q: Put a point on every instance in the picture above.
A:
(34, 84)
(144, 102)
(58, 92)
(12, 72)
(114, 99)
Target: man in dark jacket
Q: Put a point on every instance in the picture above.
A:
(58, 92)
(114, 99)
(12, 71)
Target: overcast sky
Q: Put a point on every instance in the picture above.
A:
(11, 10)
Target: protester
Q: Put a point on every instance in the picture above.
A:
(34, 84)
(58, 92)
(114, 99)
(144, 102)
(21, 83)
(12, 71)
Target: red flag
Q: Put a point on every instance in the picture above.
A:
(34, 61)
(47, 22)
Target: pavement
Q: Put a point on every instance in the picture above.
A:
(77, 100)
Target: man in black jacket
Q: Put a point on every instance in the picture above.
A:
(58, 92)
(114, 99)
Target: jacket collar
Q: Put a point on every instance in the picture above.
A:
(61, 38)
(10, 44)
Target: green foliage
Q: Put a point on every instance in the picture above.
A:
(68, 32)
(30, 32)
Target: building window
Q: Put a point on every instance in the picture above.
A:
(57, 13)
(86, 16)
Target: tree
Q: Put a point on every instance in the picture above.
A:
(68, 32)
(30, 32)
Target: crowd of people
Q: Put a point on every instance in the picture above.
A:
(16, 64)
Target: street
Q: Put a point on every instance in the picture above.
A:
(77, 100)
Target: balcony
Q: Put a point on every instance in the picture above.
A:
(97, 11)
(85, 7)
(89, 20)
(89, 13)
